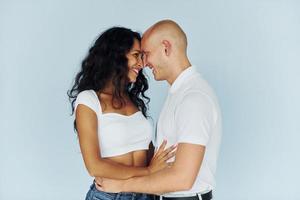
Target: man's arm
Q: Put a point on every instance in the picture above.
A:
(180, 176)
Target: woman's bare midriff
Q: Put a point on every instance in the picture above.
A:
(134, 159)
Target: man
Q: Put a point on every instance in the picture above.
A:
(190, 118)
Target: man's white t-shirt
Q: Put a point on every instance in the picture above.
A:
(191, 114)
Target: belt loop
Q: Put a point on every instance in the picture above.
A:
(199, 196)
(117, 196)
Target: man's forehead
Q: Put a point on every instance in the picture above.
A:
(144, 44)
(144, 39)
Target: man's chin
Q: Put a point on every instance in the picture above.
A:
(157, 78)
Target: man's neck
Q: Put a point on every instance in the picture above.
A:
(177, 70)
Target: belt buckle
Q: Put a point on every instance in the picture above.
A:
(195, 195)
(199, 196)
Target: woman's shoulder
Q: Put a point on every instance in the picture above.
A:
(87, 93)
(88, 98)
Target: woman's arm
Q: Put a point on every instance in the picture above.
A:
(87, 125)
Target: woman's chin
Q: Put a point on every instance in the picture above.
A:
(132, 80)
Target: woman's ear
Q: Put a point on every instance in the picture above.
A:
(167, 46)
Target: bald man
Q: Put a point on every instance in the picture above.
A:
(190, 118)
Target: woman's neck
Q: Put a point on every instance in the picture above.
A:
(109, 90)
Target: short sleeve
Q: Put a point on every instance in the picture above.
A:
(89, 99)
(194, 119)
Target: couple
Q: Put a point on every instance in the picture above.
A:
(110, 106)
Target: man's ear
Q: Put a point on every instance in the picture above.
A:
(167, 46)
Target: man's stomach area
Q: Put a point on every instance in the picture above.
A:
(133, 158)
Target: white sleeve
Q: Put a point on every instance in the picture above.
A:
(194, 119)
(88, 99)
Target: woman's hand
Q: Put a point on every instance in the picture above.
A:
(160, 158)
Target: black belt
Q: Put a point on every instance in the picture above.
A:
(206, 196)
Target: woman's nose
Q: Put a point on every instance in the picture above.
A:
(140, 62)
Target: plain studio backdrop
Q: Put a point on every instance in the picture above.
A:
(249, 51)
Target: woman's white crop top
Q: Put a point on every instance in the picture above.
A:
(118, 134)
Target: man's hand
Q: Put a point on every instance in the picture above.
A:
(109, 185)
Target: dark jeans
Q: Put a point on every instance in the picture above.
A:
(94, 194)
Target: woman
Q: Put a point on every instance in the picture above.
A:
(108, 99)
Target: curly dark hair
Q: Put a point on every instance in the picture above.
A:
(105, 63)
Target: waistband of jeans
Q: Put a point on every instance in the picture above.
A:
(93, 187)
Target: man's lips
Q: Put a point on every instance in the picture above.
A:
(153, 70)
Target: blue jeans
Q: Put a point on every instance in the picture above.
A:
(94, 194)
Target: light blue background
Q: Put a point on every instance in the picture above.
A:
(249, 51)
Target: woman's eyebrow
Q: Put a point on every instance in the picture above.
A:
(139, 51)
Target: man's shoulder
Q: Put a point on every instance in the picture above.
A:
(195, 86)
(196, 92)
